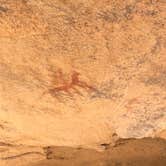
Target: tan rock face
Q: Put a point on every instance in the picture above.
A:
(72, 73)
(144, 152)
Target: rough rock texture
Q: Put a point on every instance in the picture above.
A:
(73, 73)
(126, 152)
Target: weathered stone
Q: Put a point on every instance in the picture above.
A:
(73, 73)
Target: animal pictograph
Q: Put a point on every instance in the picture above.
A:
(70, 87)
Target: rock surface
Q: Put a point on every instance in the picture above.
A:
(74, 73)
(126, 152)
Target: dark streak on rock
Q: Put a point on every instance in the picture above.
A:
(3, 9)
(5, 144)
(20, 155)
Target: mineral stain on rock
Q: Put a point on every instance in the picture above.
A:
(3, 9)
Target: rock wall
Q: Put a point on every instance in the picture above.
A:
(74, 73)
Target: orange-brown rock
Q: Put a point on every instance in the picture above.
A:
(74, 73)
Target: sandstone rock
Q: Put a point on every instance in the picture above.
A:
(73, 73)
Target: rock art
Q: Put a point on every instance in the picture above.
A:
(77, 73)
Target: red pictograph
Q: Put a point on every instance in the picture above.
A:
(69, 86)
